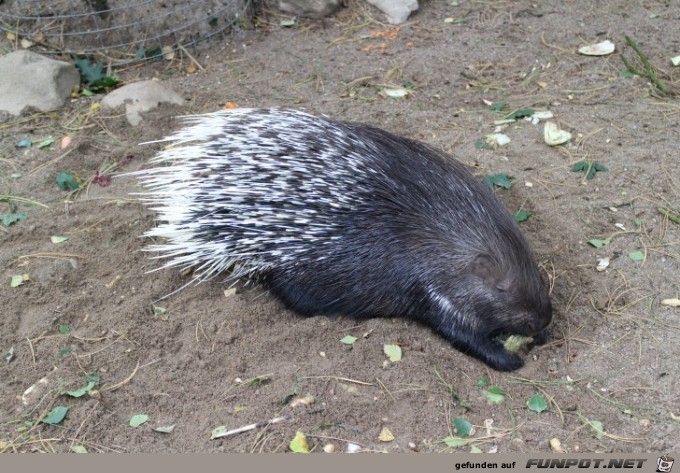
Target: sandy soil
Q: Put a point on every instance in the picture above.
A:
(612, 358)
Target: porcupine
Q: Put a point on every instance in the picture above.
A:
(346, 219)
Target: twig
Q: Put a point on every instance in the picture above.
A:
(670, 216)
(193, 59)
(116, 386)
(339, 378)
(649, 69)
(246, 428)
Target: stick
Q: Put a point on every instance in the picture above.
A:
(246, 428)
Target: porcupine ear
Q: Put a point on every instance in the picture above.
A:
(489, 272)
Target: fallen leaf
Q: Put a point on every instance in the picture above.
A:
(455, 441)
(299, 443)
(55, 416)
(165, 429)
(218, 432)
(636, 255)
(168, 53)
(45, 143)
(499, 180)
(463, 426)
(385, 435)
(393, 352)
(348, 340)
(19, 279)
(522, 216)
(537, 403)
(598, 243)
(671, 302)
(138, 419)
(553, 136)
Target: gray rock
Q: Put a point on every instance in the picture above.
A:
(396, 11)
(28, 79)
(310, 8)
(141, 97)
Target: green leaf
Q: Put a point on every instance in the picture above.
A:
(82, 391)
(636, 256)
(67, 181)
(474, 449)
(500, 180)
(598, 243)
(166, 429)
(154, 52)
(138, 419)
(626, 74)
(514, 342)
(455, 441)
(46, 142)
(348, 340)
(463, 426)
(89, 72)
(288, 23)
(597, 427)
(19, 279)
(496, 389)
(495, 394)
(58, 239)
(498, 106)
(521, 113)
(393, 352)
(299, 443)
(158, 310)
(63, 328)
(454, 21)
(92, 74)
(24, 144)
(482, 144)
(11, 219)
(522, 216)
(94, 377)
(483, 382)
(537, 403)
(78, 449)
(218, 432)
(55, 416)
(589, 168)
(104, 83)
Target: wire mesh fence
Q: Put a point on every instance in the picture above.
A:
(122, 30)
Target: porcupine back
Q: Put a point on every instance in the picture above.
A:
(338, 218)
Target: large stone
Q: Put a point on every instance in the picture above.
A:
(396, 11)
(141, 97)
(310, 8)
(28, 79)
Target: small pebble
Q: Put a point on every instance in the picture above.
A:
(329, 448)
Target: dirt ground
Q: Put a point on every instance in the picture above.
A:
(211, 358)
